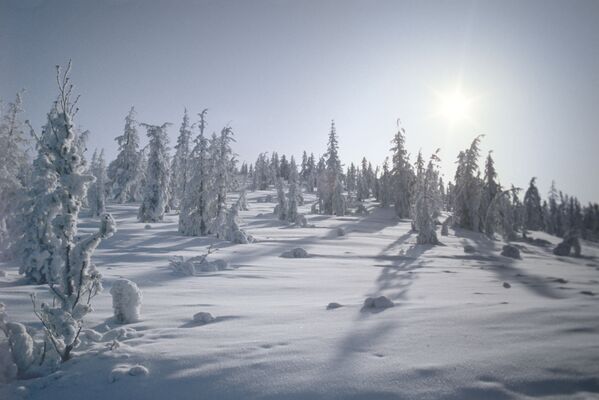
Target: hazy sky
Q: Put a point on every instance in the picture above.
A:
(279, 71)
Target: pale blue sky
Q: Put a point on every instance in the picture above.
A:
(279, 71)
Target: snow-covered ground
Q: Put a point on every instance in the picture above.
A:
(455, 332)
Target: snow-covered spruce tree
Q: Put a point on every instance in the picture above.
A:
(294, 178)
(428, 203)
(467, 190)
(96, 194)
(155, 200)
(351, 182)
(490, 190)
(532, 207)
(126, 170)
(386, 191)
(330, 187)
(223, 161)
(14, 174)
(73, 278)
(179, 167)
(282, 207)
(197, 205)
(402, 173)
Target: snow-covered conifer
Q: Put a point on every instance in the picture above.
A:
(179, 167)
(126, 171)
(96, 194)
(196, 208)
(155, 200)
(532, 207)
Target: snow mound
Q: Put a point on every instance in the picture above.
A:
(506, 285)
(361, 210)
(510, 251)
(469, 249)
(377, 303)
(2, 274)
(121, 371)
(126, 301)
(566, 246)
(203, 318)
(148, 226)
(90, 335)
(298, 252)
(340, 231)
(197, 265)
(332, 306)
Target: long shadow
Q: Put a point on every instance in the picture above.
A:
(394, 282)
(507, 270)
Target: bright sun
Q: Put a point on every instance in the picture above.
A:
(455, 106)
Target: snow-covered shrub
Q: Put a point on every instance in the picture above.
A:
(226, 227)
(565, 247)
(298, 252)
(203, 318)
(510, 251)
(198, 264)
(8, 368)
(126, 301)
(340, 231)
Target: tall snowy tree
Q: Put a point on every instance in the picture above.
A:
(223, 162)
(467, 190)
(155, 200)
(96, 194)
(532, 207)
(126, 170)
(331, 190)
(489, 201)
(179, 167)
(196, 208)
(428, 203)
(66, 263)
(402, 174)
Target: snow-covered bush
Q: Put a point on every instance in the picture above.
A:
(301, 221)
(282, 207)
(242, 202)
(226, 227)
(126, 301)
(198, 264)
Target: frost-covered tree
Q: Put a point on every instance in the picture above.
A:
(197, 205)
(96, 194)
(69, 271)
(179, 167)
(282, 207)
(489, 202)
(330, 193)
(126, 171)
(14, 171)
(223, 162)
(155, 200)
(385, 184)
(427, 202)
(467, 191)
(402, 174)
(351, 182)
(532, 207)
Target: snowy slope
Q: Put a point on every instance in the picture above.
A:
(455, 332)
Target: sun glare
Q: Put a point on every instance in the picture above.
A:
(455, 106)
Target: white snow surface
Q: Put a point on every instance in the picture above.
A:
(455, 332)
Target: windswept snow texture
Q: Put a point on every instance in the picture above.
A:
(455, 331)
